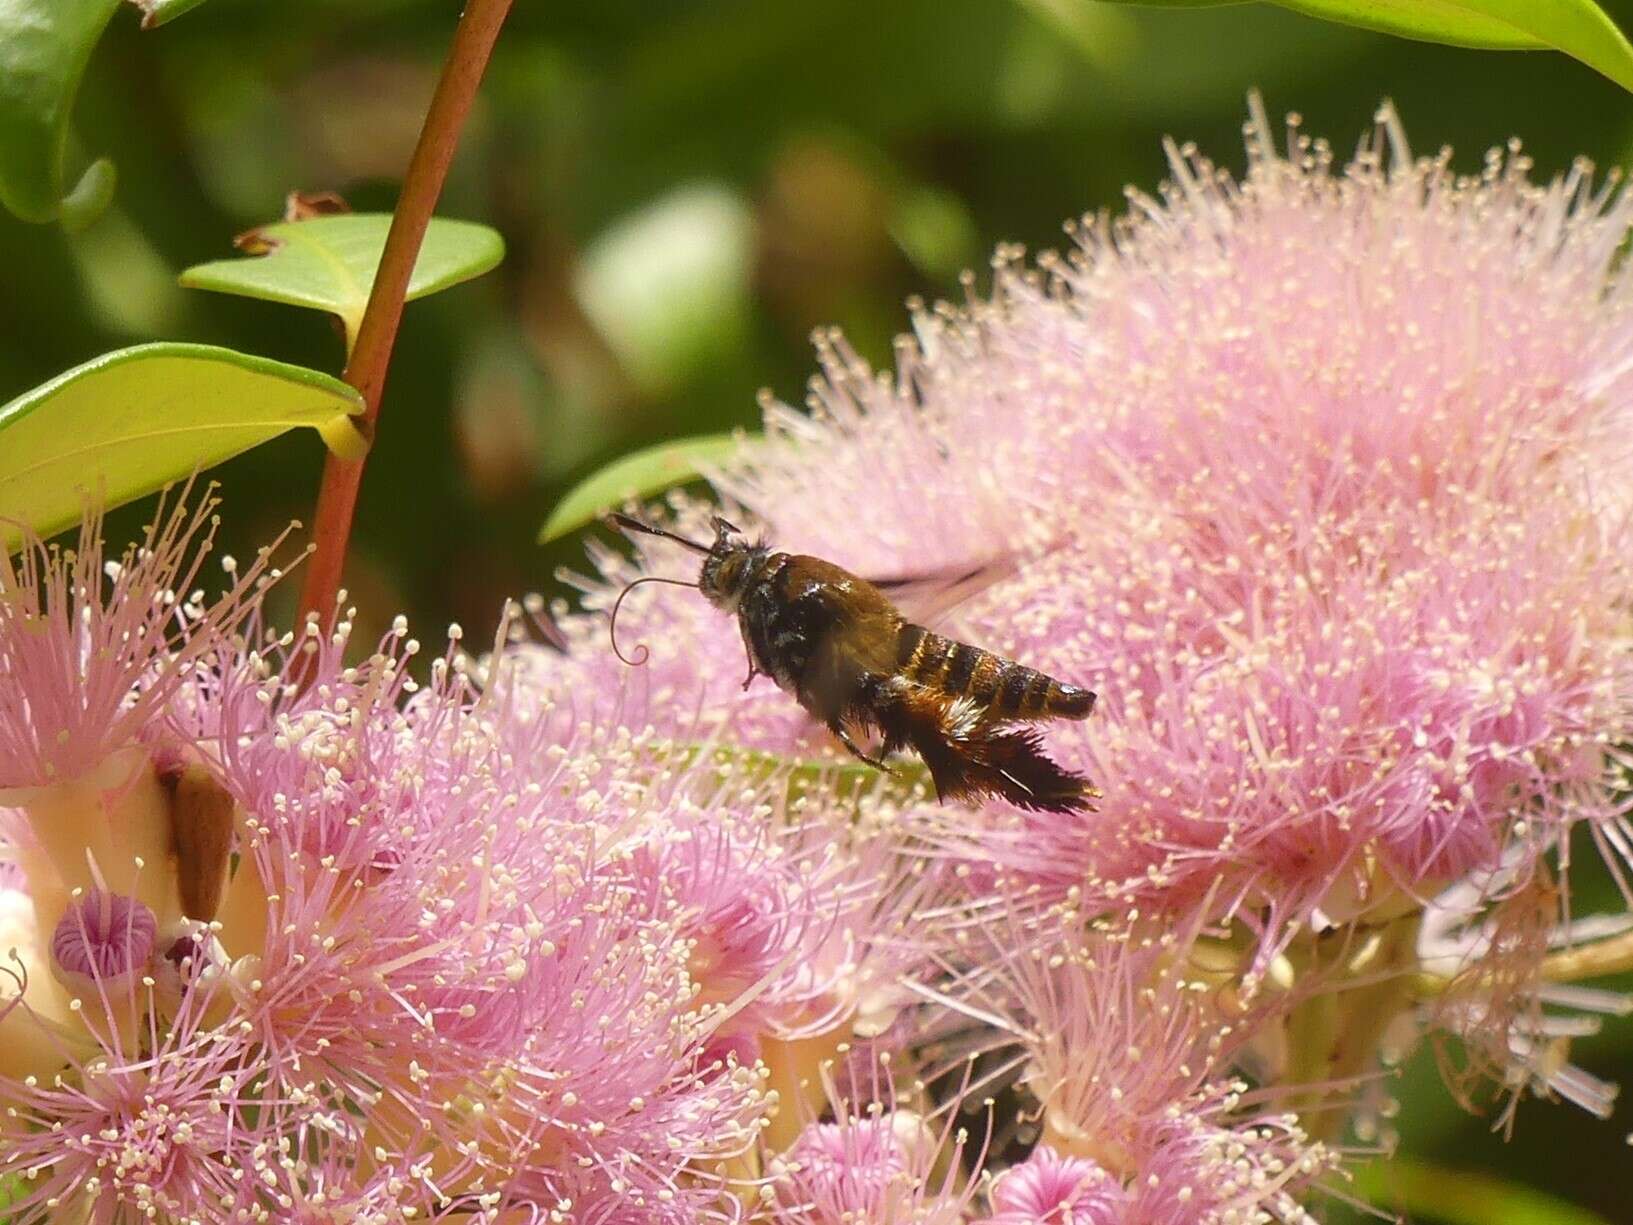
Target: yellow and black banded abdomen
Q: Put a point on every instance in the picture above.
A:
(1001, 687)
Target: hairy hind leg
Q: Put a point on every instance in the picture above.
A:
(844, 736)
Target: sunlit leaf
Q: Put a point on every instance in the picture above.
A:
(328, 263)
(1462, 23)
(1457, 1197)
(44, 47)
(639, 475)
(157, 12)
(130, 421)
(1579, 28)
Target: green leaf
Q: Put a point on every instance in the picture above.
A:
(1460, 1198)
(44, 47)
(639, 475)
(1579, 28)
(156, 12)
(328, 263)
(130, 421)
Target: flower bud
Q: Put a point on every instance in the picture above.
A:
(201, 822)
(104, 941)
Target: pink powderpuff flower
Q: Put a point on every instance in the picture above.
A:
(1200, 1173)
(1132, 1053)
(802, 912)
(460, 954)
(145, 1117)
(798, 935)
(1318, 477)
(92, 650)
(810, 924)
(1048, 1189)
(93, 647)
(436, 981)
(102, 946)
(748, 908)
(878, 1161)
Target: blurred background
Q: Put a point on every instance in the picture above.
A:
(687, 189)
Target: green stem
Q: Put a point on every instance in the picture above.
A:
(370, 357)
(1611, 956)
(1597, 960)
(1334, 1035)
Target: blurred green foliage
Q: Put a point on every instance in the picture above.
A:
(685, 190)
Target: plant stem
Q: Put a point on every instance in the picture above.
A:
(1603, 957)
(371, 356)
(1334, 1043)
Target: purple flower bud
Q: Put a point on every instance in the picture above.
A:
(1049, 1187)
(105, 937)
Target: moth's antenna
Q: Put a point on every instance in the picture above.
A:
(641, 652)
(627, 524)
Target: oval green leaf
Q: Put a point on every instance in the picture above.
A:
(131, 421)
(1498, 25)
(639, 475)
(1579, 28)
(44, 47)
(328, 263)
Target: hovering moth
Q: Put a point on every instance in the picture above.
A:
(849, 657)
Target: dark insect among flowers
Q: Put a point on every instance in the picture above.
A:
(851, 659)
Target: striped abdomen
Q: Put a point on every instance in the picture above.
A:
(1002, 688)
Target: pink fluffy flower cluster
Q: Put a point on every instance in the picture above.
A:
(295, 939)
(1318, 477)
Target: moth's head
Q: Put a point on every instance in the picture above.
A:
(729, 567)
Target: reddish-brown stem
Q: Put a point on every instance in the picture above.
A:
(371, 356)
